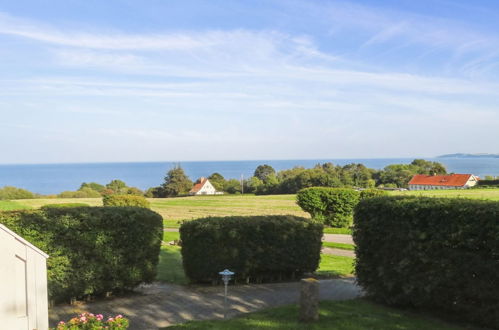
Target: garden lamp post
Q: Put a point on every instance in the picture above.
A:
(226, 277)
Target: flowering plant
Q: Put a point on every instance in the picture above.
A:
(89, 321)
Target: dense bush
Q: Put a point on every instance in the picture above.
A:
(431, 253)
(487, 183)
(371, 193)
(82, 193)
(92, 250)
(259, 248)
(125, 200)
(9, 192)
(332, 206)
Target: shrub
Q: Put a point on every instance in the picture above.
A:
(125, 200)
(82, 193)
(431, 253)
(371, 193)
(93, 250)
(63, 205)
(89, 321)
(256, 248)
(9, 192)
(332, 206)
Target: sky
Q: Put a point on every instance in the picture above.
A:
(180, 80)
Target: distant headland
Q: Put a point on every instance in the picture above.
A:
(459, 155)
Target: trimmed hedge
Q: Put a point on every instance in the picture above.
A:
(93, 250)
(431, 253)
(331, 206)
(63, 205)
(257, 248)
(125, 200)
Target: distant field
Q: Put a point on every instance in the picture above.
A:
(188, 208)
(37, 203)
(10, 205)
(174, 210)
(490, 194)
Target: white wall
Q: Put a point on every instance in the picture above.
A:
(23, 284)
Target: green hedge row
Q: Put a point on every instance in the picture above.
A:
(331, 206)
(258, 248)
(93, 250)
(125, 200)
(431, 253)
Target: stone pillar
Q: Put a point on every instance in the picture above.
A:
(309, 300)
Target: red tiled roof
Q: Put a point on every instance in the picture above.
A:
(199, 184)
(454, 180)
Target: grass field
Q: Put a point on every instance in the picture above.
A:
(11, 205)
(342, 315)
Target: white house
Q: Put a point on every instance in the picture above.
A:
(23, 283)
(450, 181)
(203, 186)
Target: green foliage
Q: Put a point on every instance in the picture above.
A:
(176, 183)
(431, 253)
(371, 193)
(218, 181)
(82, 193)
(263, 172)
(428, 168)
(259, 248)
(125, 200)
(117, 186)
(92, 250)
(487, 183)
(154, 192)
(9, 192)
(93, 185)
(331, 206)
(63, 205)
(232, 186)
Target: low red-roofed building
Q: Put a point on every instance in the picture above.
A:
(450, 181)
(203, 186)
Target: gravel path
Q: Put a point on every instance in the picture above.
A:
(338, 252)
(160, 305)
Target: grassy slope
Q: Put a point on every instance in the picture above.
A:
(346, 315)
(11, 205)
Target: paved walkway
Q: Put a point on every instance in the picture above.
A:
(161, 305)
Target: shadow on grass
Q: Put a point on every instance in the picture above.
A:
(348, 315)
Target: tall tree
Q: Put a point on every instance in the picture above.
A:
(117, 186)
(263, 172)
(176, 182)
(218, 181)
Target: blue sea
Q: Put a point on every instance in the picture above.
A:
(55, 178)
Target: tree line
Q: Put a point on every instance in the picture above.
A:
(265, 180)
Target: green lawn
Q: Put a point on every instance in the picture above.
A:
(334, 266)
(169, 236)
(342, 231)
(170, 268)
(11, 205)
(342, 246)
(345, 315)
